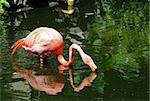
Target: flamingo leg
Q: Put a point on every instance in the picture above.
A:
(41, 62)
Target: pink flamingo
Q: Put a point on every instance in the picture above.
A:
(45, 41)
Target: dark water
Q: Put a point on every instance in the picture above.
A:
(115, 36)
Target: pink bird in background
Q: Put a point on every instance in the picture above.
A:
(45, 41)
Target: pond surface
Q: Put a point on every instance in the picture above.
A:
(115, 36)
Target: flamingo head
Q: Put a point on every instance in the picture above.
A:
(89, 61)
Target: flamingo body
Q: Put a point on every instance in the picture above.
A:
(42, 41)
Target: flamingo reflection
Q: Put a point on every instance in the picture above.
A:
(50, 82)
(85, 82)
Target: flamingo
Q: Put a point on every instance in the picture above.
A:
(45, 41)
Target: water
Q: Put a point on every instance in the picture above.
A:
(116, 37)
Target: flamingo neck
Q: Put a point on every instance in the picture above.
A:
(86, 58)
(62, 60)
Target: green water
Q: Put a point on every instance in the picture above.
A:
(115, 34)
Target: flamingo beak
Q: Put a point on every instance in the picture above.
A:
(93, 66)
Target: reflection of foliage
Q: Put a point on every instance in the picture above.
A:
(99, 83)
(123, 34)
(125, 63)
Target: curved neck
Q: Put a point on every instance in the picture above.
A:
(86, 58)
(64, 62)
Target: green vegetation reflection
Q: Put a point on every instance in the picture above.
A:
(122, 37)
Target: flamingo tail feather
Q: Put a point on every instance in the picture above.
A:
(17, 44)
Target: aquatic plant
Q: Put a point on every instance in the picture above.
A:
(3, 5)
